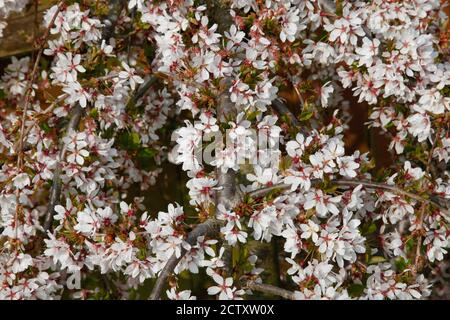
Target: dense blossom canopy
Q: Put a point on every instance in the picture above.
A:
(116, 89)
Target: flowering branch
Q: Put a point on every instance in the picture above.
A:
(207, 228)
(422, 211)
(47, 111)
(142, 90)
(367, 184)
(225, 194)
(27, 91)
(330, 7)
(55, 191)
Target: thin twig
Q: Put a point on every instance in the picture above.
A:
(142, 90)
(282, 109)
(50, 108)
(30, 82)
(327, 6)
(272, 290)
(300, 97)
(132, 16)
(266, 190)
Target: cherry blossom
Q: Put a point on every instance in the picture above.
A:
(224, 287)
(130, 75)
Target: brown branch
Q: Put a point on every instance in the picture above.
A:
(417, 257)
(282, 109)
(272, 290)
(208, 228)
(300, 97)
(353, 183)
(116, 7)
(227, 195)
(327, 6)
(55, 191)
(142, 90)
(266, 190)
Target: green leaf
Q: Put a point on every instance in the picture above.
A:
(305, 115)
(44, 126)
(149, 51)
(401, 264)
(235, 255)
(329, 188)
(129, 140)
(252, 115)
(145, 157)
(355, 290)
(94, 113)
(285, 163)
(98, 69)
(377, 259)
(369, 229)
(146, 153)
(410, 244)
